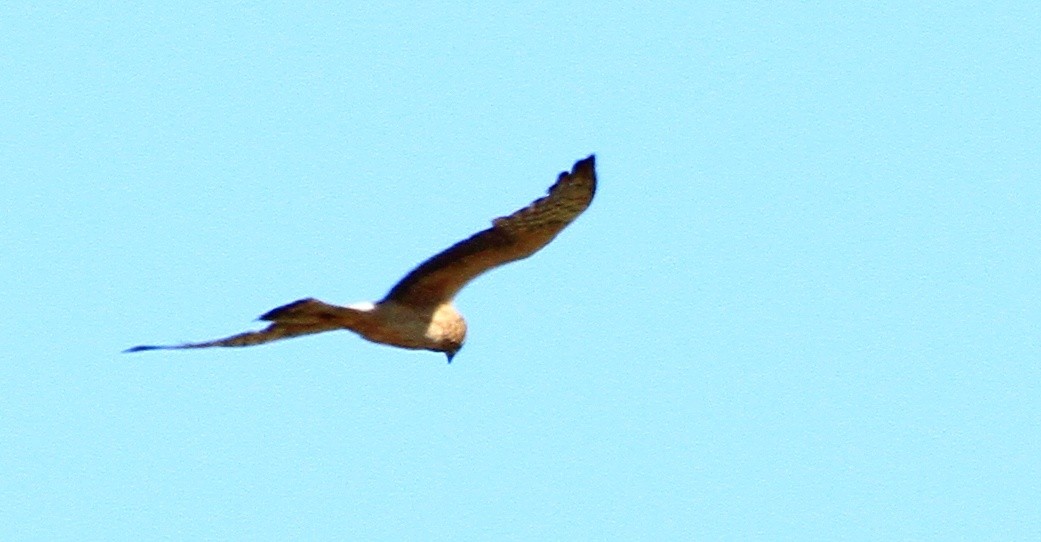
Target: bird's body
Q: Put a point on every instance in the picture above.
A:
(418, 313)
(441, 329)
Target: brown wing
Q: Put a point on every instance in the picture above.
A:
(273, 332)
(303, 317)
(510, 238)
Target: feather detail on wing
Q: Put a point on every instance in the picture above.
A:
(510, 238)
(303, 317)
(273, 332)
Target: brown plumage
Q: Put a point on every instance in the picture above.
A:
(417, 313)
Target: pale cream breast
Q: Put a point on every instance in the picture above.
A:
(447, 326)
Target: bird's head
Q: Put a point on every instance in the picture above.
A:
(447, 331)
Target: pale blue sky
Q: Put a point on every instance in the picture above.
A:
(805, 304)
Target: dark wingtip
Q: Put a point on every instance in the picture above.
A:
(585, 166)
(142, 348)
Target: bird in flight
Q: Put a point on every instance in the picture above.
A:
(418, 313)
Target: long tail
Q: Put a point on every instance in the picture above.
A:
(303, 317)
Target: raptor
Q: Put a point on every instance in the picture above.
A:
(418, 312)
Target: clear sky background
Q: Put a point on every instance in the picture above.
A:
(805, 304)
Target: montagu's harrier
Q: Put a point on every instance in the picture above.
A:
(417, 313)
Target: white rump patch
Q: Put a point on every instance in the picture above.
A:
(364, 306)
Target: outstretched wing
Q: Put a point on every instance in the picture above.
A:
(510, 238)
(273, 332)
(303, 317)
